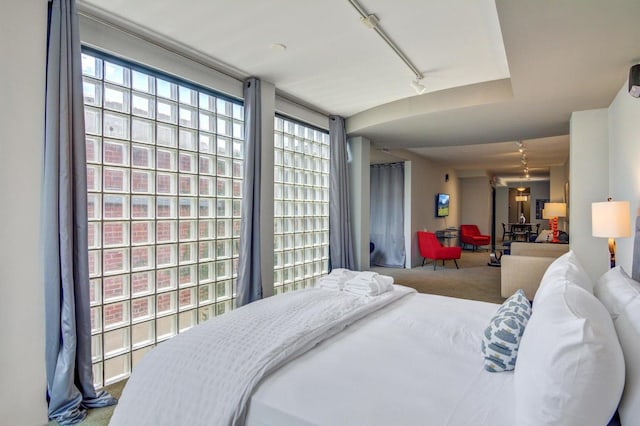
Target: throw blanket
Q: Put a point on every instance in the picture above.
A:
(206, 375)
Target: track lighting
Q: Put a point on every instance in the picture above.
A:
(418, 86)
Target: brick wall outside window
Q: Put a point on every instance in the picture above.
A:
(156, 207)
(301, 204)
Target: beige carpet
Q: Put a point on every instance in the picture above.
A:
(474, 280)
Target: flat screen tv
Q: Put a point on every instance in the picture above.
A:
(442, 205)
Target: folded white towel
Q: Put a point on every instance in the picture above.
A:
(330, 283)
(366, 275)
(377, 285)
(342, 274)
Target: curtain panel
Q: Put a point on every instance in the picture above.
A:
(70, 389)
(387, 215)
(249, 284)
(340, 241)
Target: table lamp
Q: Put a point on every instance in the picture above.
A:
(553, 211)
(611, 219)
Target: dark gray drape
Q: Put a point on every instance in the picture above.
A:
(68, 325)
(340, 241)
(387, 215)
(249, 286)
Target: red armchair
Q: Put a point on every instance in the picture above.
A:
(470, 234)
(430, 248)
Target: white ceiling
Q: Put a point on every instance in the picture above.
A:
(496, 72)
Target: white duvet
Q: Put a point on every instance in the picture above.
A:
(206, 375)
(415, 362)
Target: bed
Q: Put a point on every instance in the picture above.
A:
(401, 358)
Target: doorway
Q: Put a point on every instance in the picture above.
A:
(519, 204)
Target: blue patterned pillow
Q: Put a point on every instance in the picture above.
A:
(502, 337)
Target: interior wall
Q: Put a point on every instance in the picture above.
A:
(359, 178)
(589, 175)
(624, 171)
(476, 203)
(22, 76)
(267, 111)
(556, 184)
(428, 179)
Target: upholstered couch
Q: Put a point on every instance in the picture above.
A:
(526, 265)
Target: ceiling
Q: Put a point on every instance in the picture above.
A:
(496, 72)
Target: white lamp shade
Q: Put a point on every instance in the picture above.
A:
(611, 219)
(521, 198)
(552, 210)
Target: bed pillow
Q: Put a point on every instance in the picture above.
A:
(502, 336)
(570, 365)
(615, 289)
(628, 328)
(565, 268)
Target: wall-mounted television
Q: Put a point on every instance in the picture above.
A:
(442, 205)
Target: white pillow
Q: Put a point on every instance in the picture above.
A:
(616, 289)
(565, 268)
(570, 368)
(545, 236)
(628, 328)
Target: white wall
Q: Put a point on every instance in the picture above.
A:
(476, 203)
(624, 163)
(589, 177)
(267, 109)
(359, 179)
(22, 76)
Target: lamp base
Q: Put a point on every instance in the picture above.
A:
(612, 253)
(554, 227)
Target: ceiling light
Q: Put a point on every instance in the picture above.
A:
(418, 86)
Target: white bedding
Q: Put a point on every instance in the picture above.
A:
(206, 375)
(414, 362)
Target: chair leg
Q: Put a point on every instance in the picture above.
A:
(454, 261)
(423, 259)
(435, 262)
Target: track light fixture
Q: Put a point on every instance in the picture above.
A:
(418, 86)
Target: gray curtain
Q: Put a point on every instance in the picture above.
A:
(340, 241)
(387, 215)
(70, 387)
(249, 285)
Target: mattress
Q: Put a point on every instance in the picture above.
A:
(416, 361)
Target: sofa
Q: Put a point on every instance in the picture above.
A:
(526, 265)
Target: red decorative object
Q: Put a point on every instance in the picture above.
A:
(430, 248)
(470, 234)
(554, 227)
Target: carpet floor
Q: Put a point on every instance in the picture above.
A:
(474, 280)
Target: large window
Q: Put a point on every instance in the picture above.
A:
(164, 172)
(301, 205)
